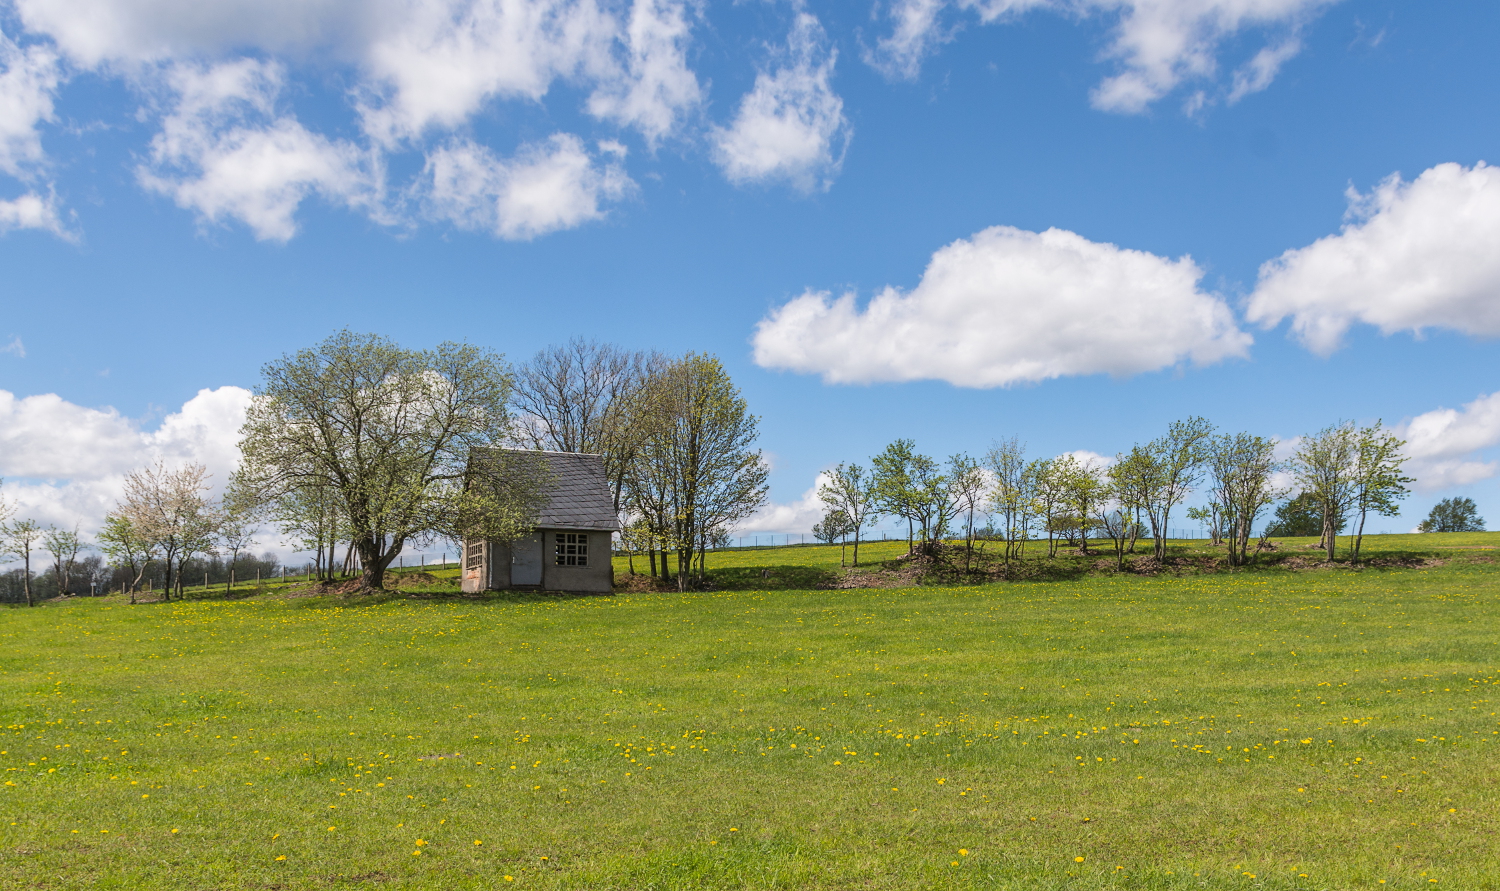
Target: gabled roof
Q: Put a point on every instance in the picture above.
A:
(577, 491)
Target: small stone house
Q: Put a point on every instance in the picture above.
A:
(569, 550)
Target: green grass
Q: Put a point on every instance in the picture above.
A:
(1320, 729)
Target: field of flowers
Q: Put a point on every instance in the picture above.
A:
(1323, 729)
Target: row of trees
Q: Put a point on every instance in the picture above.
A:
(1345, 473)
(360, 441)
(166, 519)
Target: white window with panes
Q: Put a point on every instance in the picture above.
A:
(572, 548)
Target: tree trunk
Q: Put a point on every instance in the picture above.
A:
(372, 575)
(856, 546)
(27, 580)
(1330, 537)
(1359, 536)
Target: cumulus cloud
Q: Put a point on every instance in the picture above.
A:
(791, 125)
(65, 463)
(792, 516)
(1444, 445)
(225, 151)
(547, 186)
(1009, 306)
(1159, 44)
(1413, 255)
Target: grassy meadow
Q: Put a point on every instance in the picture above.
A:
(1323, 728)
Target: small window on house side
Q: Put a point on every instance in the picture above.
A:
(572, 549)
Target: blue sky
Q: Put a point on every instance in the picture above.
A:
(188, 194)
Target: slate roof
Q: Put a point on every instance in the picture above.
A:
(577, 494)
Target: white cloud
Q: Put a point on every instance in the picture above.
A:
(1414, 255)
(15, 348)
(1009, 306)
(64, 463)
(547, 186)
(793, 516)
(33, 211)
(435, 63)
(655, 86)
(1086, 458)
(28, 79)
(1258, 73)
(94, 32)
(916, 32)
(226, 151)
(1444, 444)
(791, 125)
(416, 68)
(1160, 44)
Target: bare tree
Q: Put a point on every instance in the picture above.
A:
(1325, 467)
(388, 432)
(63, 545)
(851, 492)
(21, 537)
(238, 528)
(583, 396)
(171, 508)
(128, 547)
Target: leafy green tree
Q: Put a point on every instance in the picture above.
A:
(1085, 490)
(388, 432)
(895, 492)
(1325, 466)
(851, 492)
(1051, 487)
(1453, 515)
(1171, 467)
(1298, 516)
(1378, 481)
